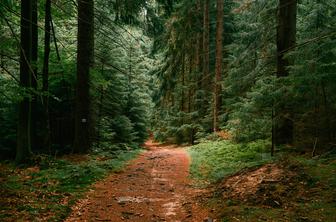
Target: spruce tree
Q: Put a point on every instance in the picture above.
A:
(83, 124)
(23, 150)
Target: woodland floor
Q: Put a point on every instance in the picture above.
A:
(154, 187)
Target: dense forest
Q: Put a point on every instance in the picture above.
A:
(257, 69)
(246, 89)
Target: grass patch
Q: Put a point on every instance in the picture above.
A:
(214, 160)
(48, 190)
(304, 191)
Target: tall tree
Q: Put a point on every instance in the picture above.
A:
(23, 150)
(219, 60)
(206, 46)
(286, 38)
(34, 23)
(45, 72)
(82, 140)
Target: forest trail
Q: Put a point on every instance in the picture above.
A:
(154, 187)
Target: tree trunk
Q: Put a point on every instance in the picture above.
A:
(206, 46)
(45, 74)
(23, 150)
(82, 140)
(286, 37)
(190, 84)
(100, 109)
(34, 116)
(183, 85)
(219, 62)
(204, 84)
(199, 60)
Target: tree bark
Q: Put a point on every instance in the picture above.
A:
(182, 109)
(23, 150)
(34, 83)
(100, 109)
(45, 73)
(219, 62)
(82, 140)
(199, 59)
(286, 34)
(34, 22)
(204, 82)
(286, 38)
(206, 46)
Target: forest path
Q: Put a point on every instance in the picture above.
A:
(154, 187)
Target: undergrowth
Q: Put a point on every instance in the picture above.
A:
(47, 191)
(309, 196)
(213, 160)
(307, 191)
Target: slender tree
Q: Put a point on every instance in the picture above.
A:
(34, 23)
(82, 141)
(219, 60)
(206, 46)
(45, 74)
(286, 38)
(23, 150)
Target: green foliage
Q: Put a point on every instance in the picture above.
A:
(121, 94)
(119, 81)
(251, 90)
(214, 160)
(312, 77)
(250, 84)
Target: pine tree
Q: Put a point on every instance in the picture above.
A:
(83, 124)
(219, 61)
(23, 150)
(45, 74)
(286, 39)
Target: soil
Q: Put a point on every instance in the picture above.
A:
(154, 187)
(270, 185)
(247, 183)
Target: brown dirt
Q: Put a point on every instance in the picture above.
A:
(247, 183)
(270, 185)
(154, 187)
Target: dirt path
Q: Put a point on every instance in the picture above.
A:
(154, 187)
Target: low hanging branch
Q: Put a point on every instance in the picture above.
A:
(9, 73)
(21, 49)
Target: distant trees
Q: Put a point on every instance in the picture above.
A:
(274, 71)
(194, 63)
